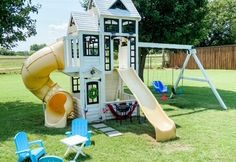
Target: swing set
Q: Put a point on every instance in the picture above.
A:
(158, 82)
(191, 52)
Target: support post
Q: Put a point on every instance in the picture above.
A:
(181, 73)
(193, 53)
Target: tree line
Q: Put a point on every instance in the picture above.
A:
(197, 22)
(33, 48)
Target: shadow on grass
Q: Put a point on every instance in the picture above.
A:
(137, 126)
(198, 98)
(28, 116)
(194, 100)
(71, 156)
(24, 116)
(187, 113)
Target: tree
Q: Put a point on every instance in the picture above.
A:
(221, 23)
(6, 52)
(15, 22)
(36, 47)
(172, 21)
(84, 3)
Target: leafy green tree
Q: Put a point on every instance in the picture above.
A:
(36, 47)
(15, 22)
(221, 23)
(170, 21)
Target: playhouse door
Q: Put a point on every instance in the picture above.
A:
(93, 100)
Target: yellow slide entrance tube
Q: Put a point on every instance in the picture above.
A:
(36, 77)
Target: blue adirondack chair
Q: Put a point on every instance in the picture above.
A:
(80, 127)
(159, 87)
(51, 159)
(23, 148)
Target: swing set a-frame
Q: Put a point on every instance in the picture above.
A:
(191, 52)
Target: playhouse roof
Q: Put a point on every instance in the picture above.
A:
(84, 21)
(105, 8)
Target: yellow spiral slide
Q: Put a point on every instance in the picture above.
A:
(36, 76)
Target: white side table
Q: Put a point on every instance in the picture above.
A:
(72, 143)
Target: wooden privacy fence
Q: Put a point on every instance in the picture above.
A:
(215, 57)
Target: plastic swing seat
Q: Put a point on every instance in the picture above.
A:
(159, 87)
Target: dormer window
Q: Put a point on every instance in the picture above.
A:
(118, 4)
(111, 25)
(128, 26)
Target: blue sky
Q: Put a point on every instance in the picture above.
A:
(52, 21)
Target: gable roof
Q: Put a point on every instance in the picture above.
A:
(118, 4)
(84, 21)
(104, 8)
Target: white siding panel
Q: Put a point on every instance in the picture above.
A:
(93, 113)
(90, 62)
(112, 85)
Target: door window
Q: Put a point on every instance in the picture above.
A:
(92, 93)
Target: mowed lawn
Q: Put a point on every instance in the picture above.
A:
(204, 131)
(11, 64)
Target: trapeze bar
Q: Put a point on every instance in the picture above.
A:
(165, 46)
(194, 79)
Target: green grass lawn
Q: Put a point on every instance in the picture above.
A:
(205, 132)
(11, 64)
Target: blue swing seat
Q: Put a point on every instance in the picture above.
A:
(159, 87)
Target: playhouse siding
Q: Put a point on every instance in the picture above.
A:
(112, 85)
(90, 62)
(71, 64)
(92, 114)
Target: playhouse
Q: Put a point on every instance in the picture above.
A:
(100, 54)
(93, 38)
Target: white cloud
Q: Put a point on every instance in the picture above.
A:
(53, 32)
(58, 29)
